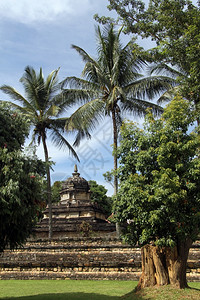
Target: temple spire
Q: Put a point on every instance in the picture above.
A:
(75, 174)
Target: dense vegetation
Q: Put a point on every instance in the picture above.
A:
(158, 202)
(21, 181)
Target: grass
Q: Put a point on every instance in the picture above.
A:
(64, 289)
(166, 293)
(90, 290)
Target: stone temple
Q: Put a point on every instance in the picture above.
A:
(75, 214)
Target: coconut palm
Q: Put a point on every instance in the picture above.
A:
(112, 85)
(43, 105)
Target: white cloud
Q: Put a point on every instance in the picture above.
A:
(27, 12)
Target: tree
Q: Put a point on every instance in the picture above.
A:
(158, 203)
(112, 86)
(56, 189)
(174, 25)
(21, 181)
(98, 195)
(42, 105)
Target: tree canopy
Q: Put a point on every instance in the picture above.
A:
(158, 202)
(21, 192)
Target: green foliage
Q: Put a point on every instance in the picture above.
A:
(98, 195)
(21, 197)
(55, 190)
(175, 27)
(11, 126)
(109, 177)
(159, 196)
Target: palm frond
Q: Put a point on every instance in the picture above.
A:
(76, 96)
(15, 95)
(81, 134)
(85, 119)
(86, 116)
(138, 107)
(59, 140)
(52, 81)
(163, 68)
(105, 46)
(52, 111)
(78, 83)
(85, 56)
(149, 87)
(169, 95)
(32, 84)
(59, 123)
(95, 74)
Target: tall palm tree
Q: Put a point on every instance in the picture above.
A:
(112, 85)
(43, 104)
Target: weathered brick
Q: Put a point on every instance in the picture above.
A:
(81, 258)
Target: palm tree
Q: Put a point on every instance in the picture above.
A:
(112, 85)
(42, 105)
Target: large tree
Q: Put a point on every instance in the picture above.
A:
(174, 25)
(43, 104)
(158, 203)
(112, 85)
(21, 182)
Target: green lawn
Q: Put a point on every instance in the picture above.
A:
(64, 289)
(88, 290)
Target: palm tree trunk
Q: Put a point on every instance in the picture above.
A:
(115, 151)
(48, 184)
(115, 138)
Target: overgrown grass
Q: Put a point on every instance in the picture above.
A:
(90, 290)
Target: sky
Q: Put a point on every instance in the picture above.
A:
(40, 33)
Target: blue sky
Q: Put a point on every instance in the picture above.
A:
(40, 34)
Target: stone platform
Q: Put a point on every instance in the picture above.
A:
(93, 258)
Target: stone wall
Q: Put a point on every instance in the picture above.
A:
(81, 258)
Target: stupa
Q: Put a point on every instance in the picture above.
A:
(75, 214)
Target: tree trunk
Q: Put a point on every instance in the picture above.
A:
(115, 151)
(162, 266)
(48, 185)
(115, 137)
